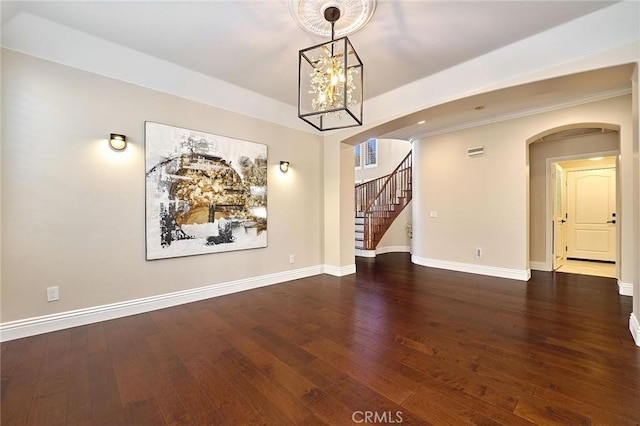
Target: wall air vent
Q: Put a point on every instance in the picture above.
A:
(475, 150)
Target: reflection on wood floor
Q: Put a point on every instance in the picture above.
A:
(406, 343)
(585, 267)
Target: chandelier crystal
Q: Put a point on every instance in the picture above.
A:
(330, 82)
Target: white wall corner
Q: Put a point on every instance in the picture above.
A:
(492, 271)
(539, 266)
(340, 271)
(625, 289)
(63, 320)
(634, 327)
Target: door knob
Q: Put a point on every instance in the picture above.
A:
(562, 221)
(611, 221)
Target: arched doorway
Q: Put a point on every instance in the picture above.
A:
(564, 241)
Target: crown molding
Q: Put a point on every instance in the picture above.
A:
(524, 113)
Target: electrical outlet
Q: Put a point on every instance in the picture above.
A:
(53, 294)
(433, 214)
(479, 253)
(292, 258)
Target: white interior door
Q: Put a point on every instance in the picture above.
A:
(591, 215)
(559, 216)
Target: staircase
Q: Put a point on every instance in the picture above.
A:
(379, 202)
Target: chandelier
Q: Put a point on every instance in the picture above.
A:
(330, 81)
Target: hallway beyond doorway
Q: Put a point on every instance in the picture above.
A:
(585, 267)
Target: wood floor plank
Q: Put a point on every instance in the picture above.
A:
(143, 413)
(20, 389)
(373, 378)
(619, 399)
(596, 414)
(134, 382)
(178, 392)
(197, 403)
(173, 411)
(252, 397)
(359, 398)
(10, 358)
(79, 390)
(49, 409)
(484, 388)
(282, 399)
(544, 412)
(96, 338)
(105, 400)
(608, 372)
(393, 341)
(280, 347)
(483, 400)
(429, 409)
(314, 397)
(222, 394)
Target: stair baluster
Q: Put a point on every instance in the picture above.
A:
(378, 202)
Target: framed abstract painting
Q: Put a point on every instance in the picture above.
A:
(204, 193)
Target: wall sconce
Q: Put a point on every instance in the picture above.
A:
(284, 166)
(117, 142)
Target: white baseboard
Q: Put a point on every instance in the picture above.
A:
(393, 249)
(493, 271)
(339, 271)
(47, 323)
(539, 266)
(365, 253)
(382, 250)
(634, 327)
(625, 289)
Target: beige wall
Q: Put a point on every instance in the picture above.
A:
(396, 237)
(347, 207)
(479, 201)
(482, 202)
(539, 152)
(73, 210)
(331, 206)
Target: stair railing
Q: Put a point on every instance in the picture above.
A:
(379, 201)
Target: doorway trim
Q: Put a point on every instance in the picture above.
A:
(549, 203)
(549, 207)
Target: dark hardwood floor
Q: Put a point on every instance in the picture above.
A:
(395, 343)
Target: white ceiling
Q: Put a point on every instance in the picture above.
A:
(254, 44)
